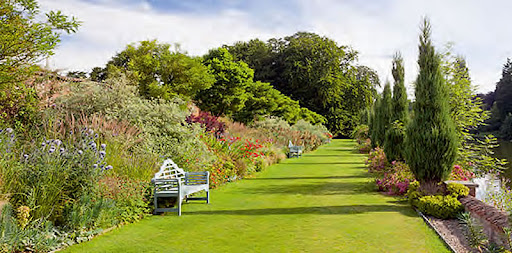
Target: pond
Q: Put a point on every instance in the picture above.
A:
(504, 151)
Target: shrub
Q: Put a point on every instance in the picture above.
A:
(396, 179)
(365, 146)
(457, 190)
(208, 122)
(53, 172)
(376, 160)
(129, 195)
(360, 133)
(36, 235)
(444, 207)
(163, 123)
(319, 131)
(460, 174)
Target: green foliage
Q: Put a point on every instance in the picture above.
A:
(315, 71)
(457, 190)
(319, 131)
(394, 143)
(443, 207)
(382, 117)
(504, 91)
(228, 94)
(25, 38)
(52, 173)
(236, 94)
(263, 100)
(360, 132)
(38, 235)
(162, 123)
(475, 153)
(506, 128)
(258, 55)
(476, 236)
(466, 107)
(400, 105)
(160, 72)
(431, 137)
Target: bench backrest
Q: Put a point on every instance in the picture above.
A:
(195, 178)
(169, 170)
(295, 148)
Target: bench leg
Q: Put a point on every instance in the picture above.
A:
(155, 203)
(179, 206)
(207, 197)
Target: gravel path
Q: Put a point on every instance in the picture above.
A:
(453, 233)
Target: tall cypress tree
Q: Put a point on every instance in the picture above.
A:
(431, 137)
(381, 117)
(395, 134)
(400, 104)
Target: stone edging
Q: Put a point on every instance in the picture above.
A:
(437, 231)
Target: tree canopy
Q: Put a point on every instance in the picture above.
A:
(25, 39)
(159, 71)
(317, 72)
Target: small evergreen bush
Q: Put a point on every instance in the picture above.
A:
(444, 207)
(457, 190)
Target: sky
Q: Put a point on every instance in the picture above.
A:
(478, 30)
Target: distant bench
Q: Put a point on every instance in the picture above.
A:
(294, 150)
(172, 181)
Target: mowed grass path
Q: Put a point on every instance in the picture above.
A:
(322, 202)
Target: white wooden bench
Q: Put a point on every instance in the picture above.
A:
(172, 181)
(294, 150)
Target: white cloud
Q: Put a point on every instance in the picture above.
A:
(374, 28)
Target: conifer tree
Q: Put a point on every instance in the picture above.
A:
(382, 117)
(395, 134)
(399, 103)
(431, 138)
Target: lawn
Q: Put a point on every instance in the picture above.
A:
(322, 202)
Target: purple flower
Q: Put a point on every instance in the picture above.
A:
(103, 146)
(9, 130)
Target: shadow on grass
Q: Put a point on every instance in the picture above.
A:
(315, 155)
(323, 188)
(293, 178)
(325, 210)
(313, 163)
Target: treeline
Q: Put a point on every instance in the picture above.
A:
(304, 76)
(498, 103)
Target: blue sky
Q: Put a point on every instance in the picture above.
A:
(375, 28)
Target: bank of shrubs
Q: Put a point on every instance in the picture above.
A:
(86, 166)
